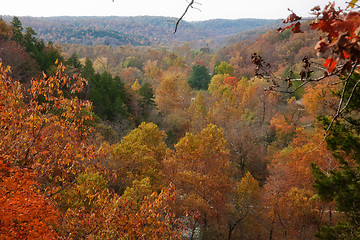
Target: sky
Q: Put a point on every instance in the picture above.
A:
(209, 9)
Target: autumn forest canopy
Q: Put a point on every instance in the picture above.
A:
(113, 128)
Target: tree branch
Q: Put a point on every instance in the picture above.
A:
(182, 16)
(340, 109)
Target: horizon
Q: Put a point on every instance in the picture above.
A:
(155, 16)
(207, 10)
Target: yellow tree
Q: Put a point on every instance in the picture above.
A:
(200, 169)
(142, 216)
(245, 207)
(198, 113)
(167, 97)
(173, 98)
(140, 155)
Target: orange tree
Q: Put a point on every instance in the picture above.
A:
(44, 140)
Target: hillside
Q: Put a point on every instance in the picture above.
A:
(136, 31)
(104, 139)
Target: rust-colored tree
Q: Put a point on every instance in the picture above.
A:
(289, 191)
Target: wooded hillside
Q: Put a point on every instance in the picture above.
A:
(136, 31)
(255, 140)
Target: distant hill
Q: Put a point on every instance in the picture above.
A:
(136, 31)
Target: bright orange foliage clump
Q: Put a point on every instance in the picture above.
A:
(42, 141)
(24, 212)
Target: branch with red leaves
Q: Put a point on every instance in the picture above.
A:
(341, 43)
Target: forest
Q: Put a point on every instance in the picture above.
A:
(126, 139)
(141, 30)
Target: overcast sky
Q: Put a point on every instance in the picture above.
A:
(210, 9)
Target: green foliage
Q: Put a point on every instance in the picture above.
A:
(133, 62)
(17, 30)
(147, 101)
(45, 56)
(288, 73)
(285, 34)
(139, 190)
(199, 77)
(88, 70)
(343, 185)
(147, 92)
(224, 68)
(74, 61)
(107, 93)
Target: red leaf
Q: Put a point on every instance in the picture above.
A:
(296, 28)
(330, 63)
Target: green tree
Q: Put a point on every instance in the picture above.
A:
(45, 56)
(343, 186)
(88, 70)
(74, 61)
(224, 68)
(199, 77)
(107, 94)
(133, 62)
(17, 30)
(147, 101)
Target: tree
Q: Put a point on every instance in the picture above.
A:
(342, 185)
(44, 144)
(147, 102)
(92, 211)
(5, 30)
(245, 203)
(199, 77)
(200, 170)
(167, 97)
(17, 30)
(224, 68)
(342, 135)
(23, 67)
(74, 61)
(289, 187)
(35, 134)
(216, 83)
(88, 208)
(108, 95)
(140, 155)
(24, 212)
(88, 70)
(147, 217)
(198, 113)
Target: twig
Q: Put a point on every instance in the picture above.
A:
(340, 110)
(182, 16)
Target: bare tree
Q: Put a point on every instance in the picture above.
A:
(190, 5)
